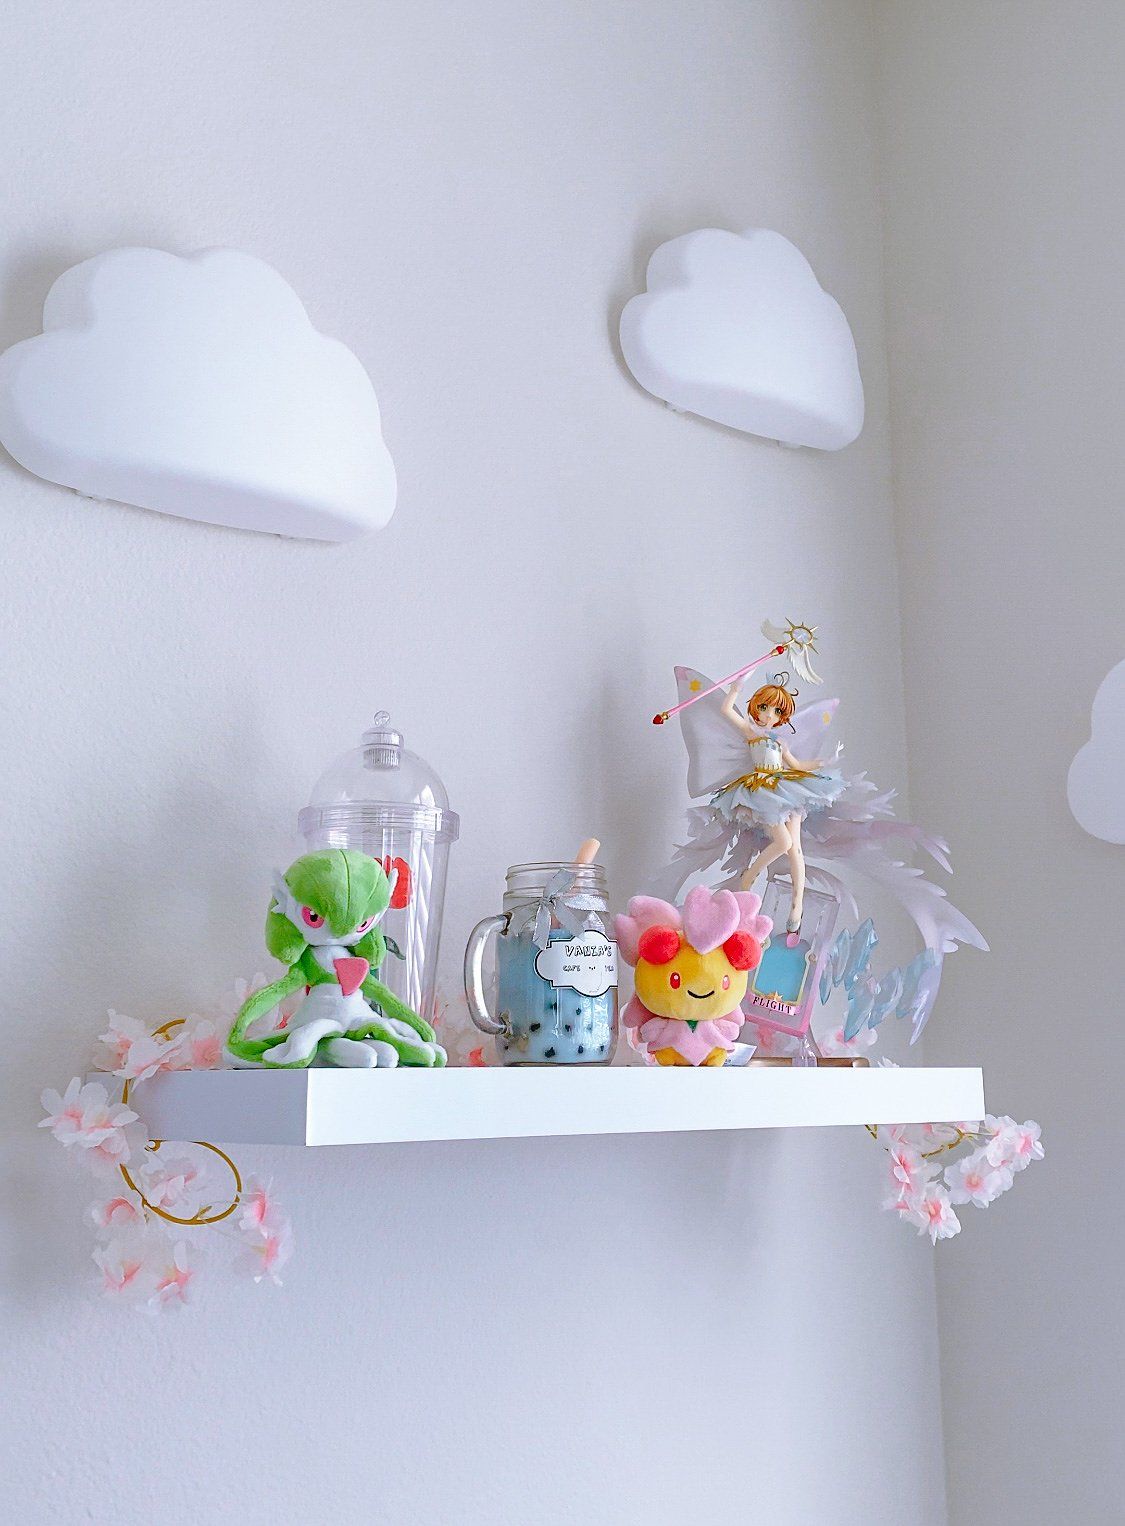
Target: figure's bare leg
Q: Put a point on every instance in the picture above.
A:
(796, 868)
(775, 848)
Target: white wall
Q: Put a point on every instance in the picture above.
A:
(1005, 225)
(606, 1330)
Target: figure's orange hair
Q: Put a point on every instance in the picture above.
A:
(772, 694)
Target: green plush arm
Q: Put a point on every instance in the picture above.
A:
(257, 1005)
(389, 1004)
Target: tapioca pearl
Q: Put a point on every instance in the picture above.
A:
(534, 1027)
(548, 1054)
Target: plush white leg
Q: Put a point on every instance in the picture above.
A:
(386, 1055)
(301, 1043)
(353, 1054)
(405, 1031)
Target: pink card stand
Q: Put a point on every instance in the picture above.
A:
(783, 989)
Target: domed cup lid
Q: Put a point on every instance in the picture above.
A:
(378, 785)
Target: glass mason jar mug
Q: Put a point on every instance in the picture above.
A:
(557, 967)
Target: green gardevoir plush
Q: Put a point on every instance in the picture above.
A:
(323, 923)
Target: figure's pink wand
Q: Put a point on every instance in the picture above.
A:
(774, 651)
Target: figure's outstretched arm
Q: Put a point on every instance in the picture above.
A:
(791, 762)
(257, 1005)
(390, 1006)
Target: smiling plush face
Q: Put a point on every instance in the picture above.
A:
(675, 980)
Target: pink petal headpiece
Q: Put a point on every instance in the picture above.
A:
(708, 919)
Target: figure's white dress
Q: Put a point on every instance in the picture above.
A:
(770, 792)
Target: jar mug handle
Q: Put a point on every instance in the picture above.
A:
(474, 973)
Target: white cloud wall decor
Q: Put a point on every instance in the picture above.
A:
(1095, 785)
(736, 328)
(197, 386)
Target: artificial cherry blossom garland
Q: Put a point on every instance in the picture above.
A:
(935, 1166)
(152, 1201)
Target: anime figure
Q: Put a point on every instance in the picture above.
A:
(323, 923)
(778, 791)
(691, 972)
(845, 824)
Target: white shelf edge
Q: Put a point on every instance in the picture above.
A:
(324, 1107)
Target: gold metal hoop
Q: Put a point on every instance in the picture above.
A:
(204, 1215)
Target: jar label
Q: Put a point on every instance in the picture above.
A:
(587, 964)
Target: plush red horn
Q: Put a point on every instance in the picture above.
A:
(403, 885)
(658, 945)
(743, 951)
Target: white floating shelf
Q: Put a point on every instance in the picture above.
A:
(329, 1107)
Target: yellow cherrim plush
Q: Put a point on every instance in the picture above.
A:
(691, 971)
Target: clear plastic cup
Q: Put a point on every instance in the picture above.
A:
(384, 800)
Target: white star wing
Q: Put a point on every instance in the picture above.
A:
(811, 722)
(716, 752)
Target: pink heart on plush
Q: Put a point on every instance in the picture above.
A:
(709, 917)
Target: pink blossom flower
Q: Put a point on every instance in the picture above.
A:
(197, 1046)
(117, 1213)
(258, 1207)
(832, 1044)
(173, 1279)
(901, 1201)
(1012, 1144)
(908, 1170)
(122, 1265)
(912, 1134)
(122, 1146)
(167, 1183)
(266, 1252)
(84, 1116)
(135, 1053)
(1027, 1145)
(932, 1211)
(933, 1136)
(975, 1180)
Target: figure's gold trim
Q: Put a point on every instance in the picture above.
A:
(768, 778)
